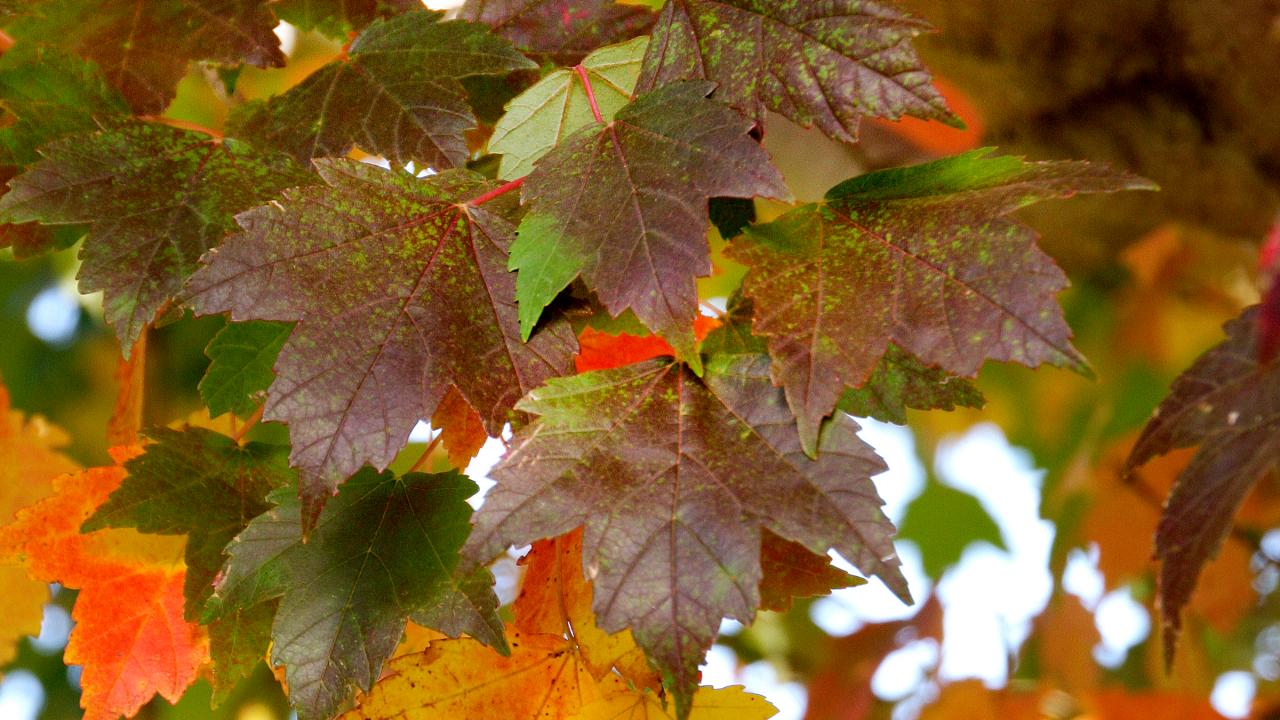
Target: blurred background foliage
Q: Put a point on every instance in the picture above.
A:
(1029, 553)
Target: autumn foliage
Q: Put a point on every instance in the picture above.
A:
(561, 226)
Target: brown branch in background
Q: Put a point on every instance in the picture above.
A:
(422, 459)
(126, 417)
(250, 423)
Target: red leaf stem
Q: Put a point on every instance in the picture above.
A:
(591, 93)
(497, 192)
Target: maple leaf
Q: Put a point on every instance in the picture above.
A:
(619, 702)
(555, 599)
(624, 205)
(1228, 404)
(825, 64)
(559, 104)
(336, 18)
(29, 460)
(562, 31)
(899, 381)
(674, 479)
(144, 46)
(157, 198)
(46, 96)
(401, 291)
(238, 642)
(130, 635)
(195, 468)
(599, 350)
(923, 257)
(345, 593)
(396, 94)
(241, 356)
(542, 678)
(789, 570)
(461, 428)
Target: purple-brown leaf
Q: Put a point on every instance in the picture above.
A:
(924, 257)
(1228, 404)
(400, 291)
(563, 31)
(675, 478)
(822, 63)
(624, 205)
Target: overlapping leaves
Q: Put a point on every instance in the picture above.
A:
(818, 63)
(624, 205)
(144, 46)
(675, 478)
(400, 290)
(396, 93)
(923, 257)
(156, 198)
(384, 549)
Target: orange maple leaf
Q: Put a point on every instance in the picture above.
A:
(461, 428)
(130, 635)
(601, 351)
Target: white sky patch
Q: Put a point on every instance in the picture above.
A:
(1082, 577)
(1233, 694)
(21, 696)
(55, 629)
(790, 698)
(288, 35)
(1122, 622)
(443, 4)
(54, 314)
(846, 610)
(983, 627)
(904, 670)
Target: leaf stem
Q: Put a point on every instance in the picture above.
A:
(497, 192)
(248, 424)
(422, 459)
(591, 93)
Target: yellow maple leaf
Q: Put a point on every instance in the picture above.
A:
(28, 463)
(455, 679)
(618, 701)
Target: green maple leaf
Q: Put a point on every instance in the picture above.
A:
(675, 478)
(336, 18)
(624, 205)
(156, 199)
(237, 644)
(1228, 404)
(923, 257)
(553, 109)
(400, 290)
(396, 94)
(818, 63)
(560, 31)
(241, 357)
(47, 94)
(145, 46)
(384, 549)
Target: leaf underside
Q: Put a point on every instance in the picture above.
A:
(923, 257)
(561, 31)
(675, 478)
(400, 292)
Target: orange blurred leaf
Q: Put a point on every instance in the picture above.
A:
(130, 635)
(126, 417)
(461, 428)
(601, 351)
